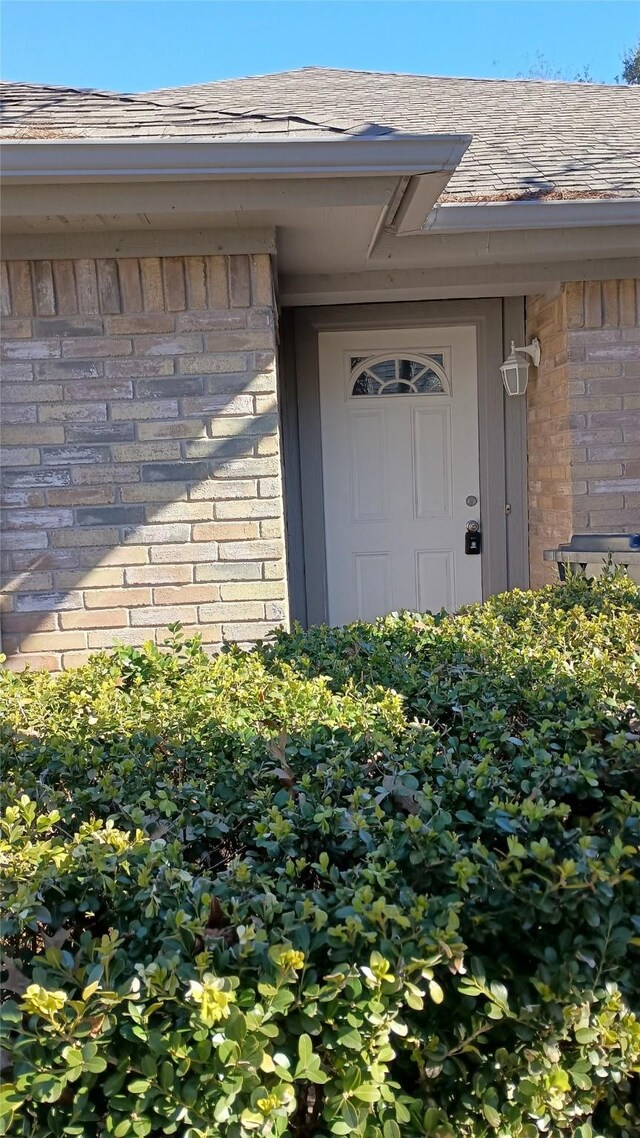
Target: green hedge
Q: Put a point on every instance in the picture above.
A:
(380, 881)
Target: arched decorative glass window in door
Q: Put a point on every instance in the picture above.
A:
(398, 375)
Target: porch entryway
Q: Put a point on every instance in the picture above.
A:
(396, 435)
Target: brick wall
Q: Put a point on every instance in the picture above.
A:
(141, 467)
(584, 415)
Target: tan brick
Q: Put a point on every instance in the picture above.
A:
(224, 319)
(122, 389)
(196, 282)
(124, 555)
(169, 615)
(20, 456)
(17, 372)
(89, 347)
(217, 285)
(249, 508)
(155, 492)
(187, 429)
(616, 520)
(152, 288)
(117, 598)
(228, 571)
(271, 527)
(246, 610)
(222, 404)
(30, 583)
(246, 550)
(53, 641)
(74, 413)
(174, 283)
(213, 490)
(139, 323)
(248, 633)
(225, 531)
(142, 409)
(178, 554)
(91, 475)
(28, 499)
(17, 413)
(33, 435)
(130, 284)
(252, 591)
(249, 467)
(610, 307)
(33, 661)
(75, 659)
(268, 445)
(145, 452)
(95, 618)
(261, 280)
(86, 286)
(266, 403)
(85, 536)
(237, 340)
(596, 469)
(20, 286)
(108, 285)
(227, 426)
(180, 511)
(30, 349)
(109, 638)
(239, 281)
(185, 594)
(87, 496)
(159, 575)
(64, 282)
(177, 344)
(16, 327)
(137, 368)
(627, 299)
(99, 578)
(24, 622)
(155, 534)
(574, 299)
(212, 363)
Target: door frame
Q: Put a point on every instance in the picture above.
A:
(501, 435)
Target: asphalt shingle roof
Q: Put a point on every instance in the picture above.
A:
(530, 137)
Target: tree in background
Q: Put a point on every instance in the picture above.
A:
(540, 68)
(631, 65)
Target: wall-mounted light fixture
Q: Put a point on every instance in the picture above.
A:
(515, 371)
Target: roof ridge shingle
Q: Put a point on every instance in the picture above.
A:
(315, 68)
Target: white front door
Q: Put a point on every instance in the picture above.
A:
(399, 413)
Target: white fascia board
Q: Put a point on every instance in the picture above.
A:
(346, 156)
(469, 217)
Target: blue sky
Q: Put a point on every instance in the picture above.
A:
(135, 45)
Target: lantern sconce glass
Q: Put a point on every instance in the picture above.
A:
(515, 371)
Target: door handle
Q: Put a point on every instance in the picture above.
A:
(473, 538)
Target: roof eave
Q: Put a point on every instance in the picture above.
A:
(470, 217)
(346, 156)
